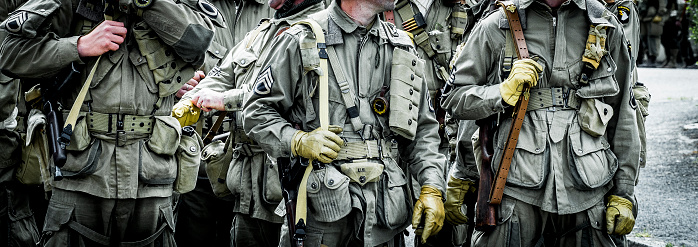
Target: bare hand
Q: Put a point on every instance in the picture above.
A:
(208, 100)
(105, 37)
(198, 75)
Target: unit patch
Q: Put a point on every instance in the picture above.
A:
(14, 23)
(208, 9)
(623, 14)
(264, 82)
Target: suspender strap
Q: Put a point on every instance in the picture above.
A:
(212, 132)
(253, 35)
(509, 55)
(415, 25)
(519, 110)
(346, 88)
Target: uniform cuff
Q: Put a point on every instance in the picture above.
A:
(232, 100)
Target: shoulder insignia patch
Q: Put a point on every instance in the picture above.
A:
(14, 23)
(264, 82)
(208, 9)
(623, 14)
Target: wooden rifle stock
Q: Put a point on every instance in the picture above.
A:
(485, 219)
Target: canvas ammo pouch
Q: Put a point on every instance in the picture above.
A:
(217, 158)
(35, 157)
(394, 198)
(188, 160)
(362, 171)
(328, 194)
(594, 116)
(405, 85)
(158, 164)
(83, 151)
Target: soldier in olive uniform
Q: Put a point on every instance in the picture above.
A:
(357, 195)
(17, 225)
(438, 26)
(202, 217)
(574, 169)
(125, 150)
(653, 13)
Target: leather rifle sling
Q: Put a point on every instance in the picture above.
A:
(212, 132)
(519, 110)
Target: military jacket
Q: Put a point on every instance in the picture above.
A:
(8, 87)
(235, 77)
(127, 150)
(556, 165)
(285, 95)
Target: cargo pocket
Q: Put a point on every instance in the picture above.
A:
(592, 163)
(157, 163)
(272, 182)
(597, 216)
(440, 41)
(328, 194)
(82, 153)
(505, 210)
(217, 159)
(167, 217)
(394, 205)
(58, 215)
(529, 163)
(188, 161)
(22, 227)
(602, 82)
(642, 96)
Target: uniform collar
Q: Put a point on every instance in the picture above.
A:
(523, 4)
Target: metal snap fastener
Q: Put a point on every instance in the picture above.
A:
(412, 77)
(605, 111)
(217, 52)
(580, 150)
(609, 69)
(409, 122)
(242, 61)
(411, 91)
(537, 149)
(313, 185)
(331, 182)
(410, 107)
(362, 179)
(414, 63)
(192, 149)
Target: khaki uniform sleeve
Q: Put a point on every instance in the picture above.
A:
(58, 53)
(274, 94)
(472, 92)
(622, 130)
(188, 32)
(423, 156)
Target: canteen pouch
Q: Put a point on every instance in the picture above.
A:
(405, 84)
(328, 194)
(158, 164)
(35, 157)
(188, 160)
(594, 116)
(217, 158)
(393, 202)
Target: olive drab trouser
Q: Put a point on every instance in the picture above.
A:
(522, 224)
(80, 219)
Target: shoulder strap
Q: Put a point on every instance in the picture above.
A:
(253, 35)
(415, 25)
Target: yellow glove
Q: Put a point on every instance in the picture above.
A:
(431, 205)
(456, 190)
(185, 112)
(522, 71)
(320, 145)
(619, 215)
(657, 19)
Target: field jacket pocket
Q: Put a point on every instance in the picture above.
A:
(394, 204)
(157, 161)
(529, 165)
(592, 163)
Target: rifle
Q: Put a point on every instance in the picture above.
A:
(291, 171)
(485, 219)
(58, 136)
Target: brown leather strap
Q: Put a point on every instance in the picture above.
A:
(519, 110)
(212, 132)
(389, 16)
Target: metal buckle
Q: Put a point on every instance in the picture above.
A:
(362, 133)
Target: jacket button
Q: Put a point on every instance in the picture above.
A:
(605, 111)
(217, 52)
(193, 149)
(313, 185)
(242, 62)
(414, 63)
(409, 122)
(609, 69)
(410, 107)
(362, 179)
(331, 182)
(411, 91)
(173, 65)
(412, 77)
